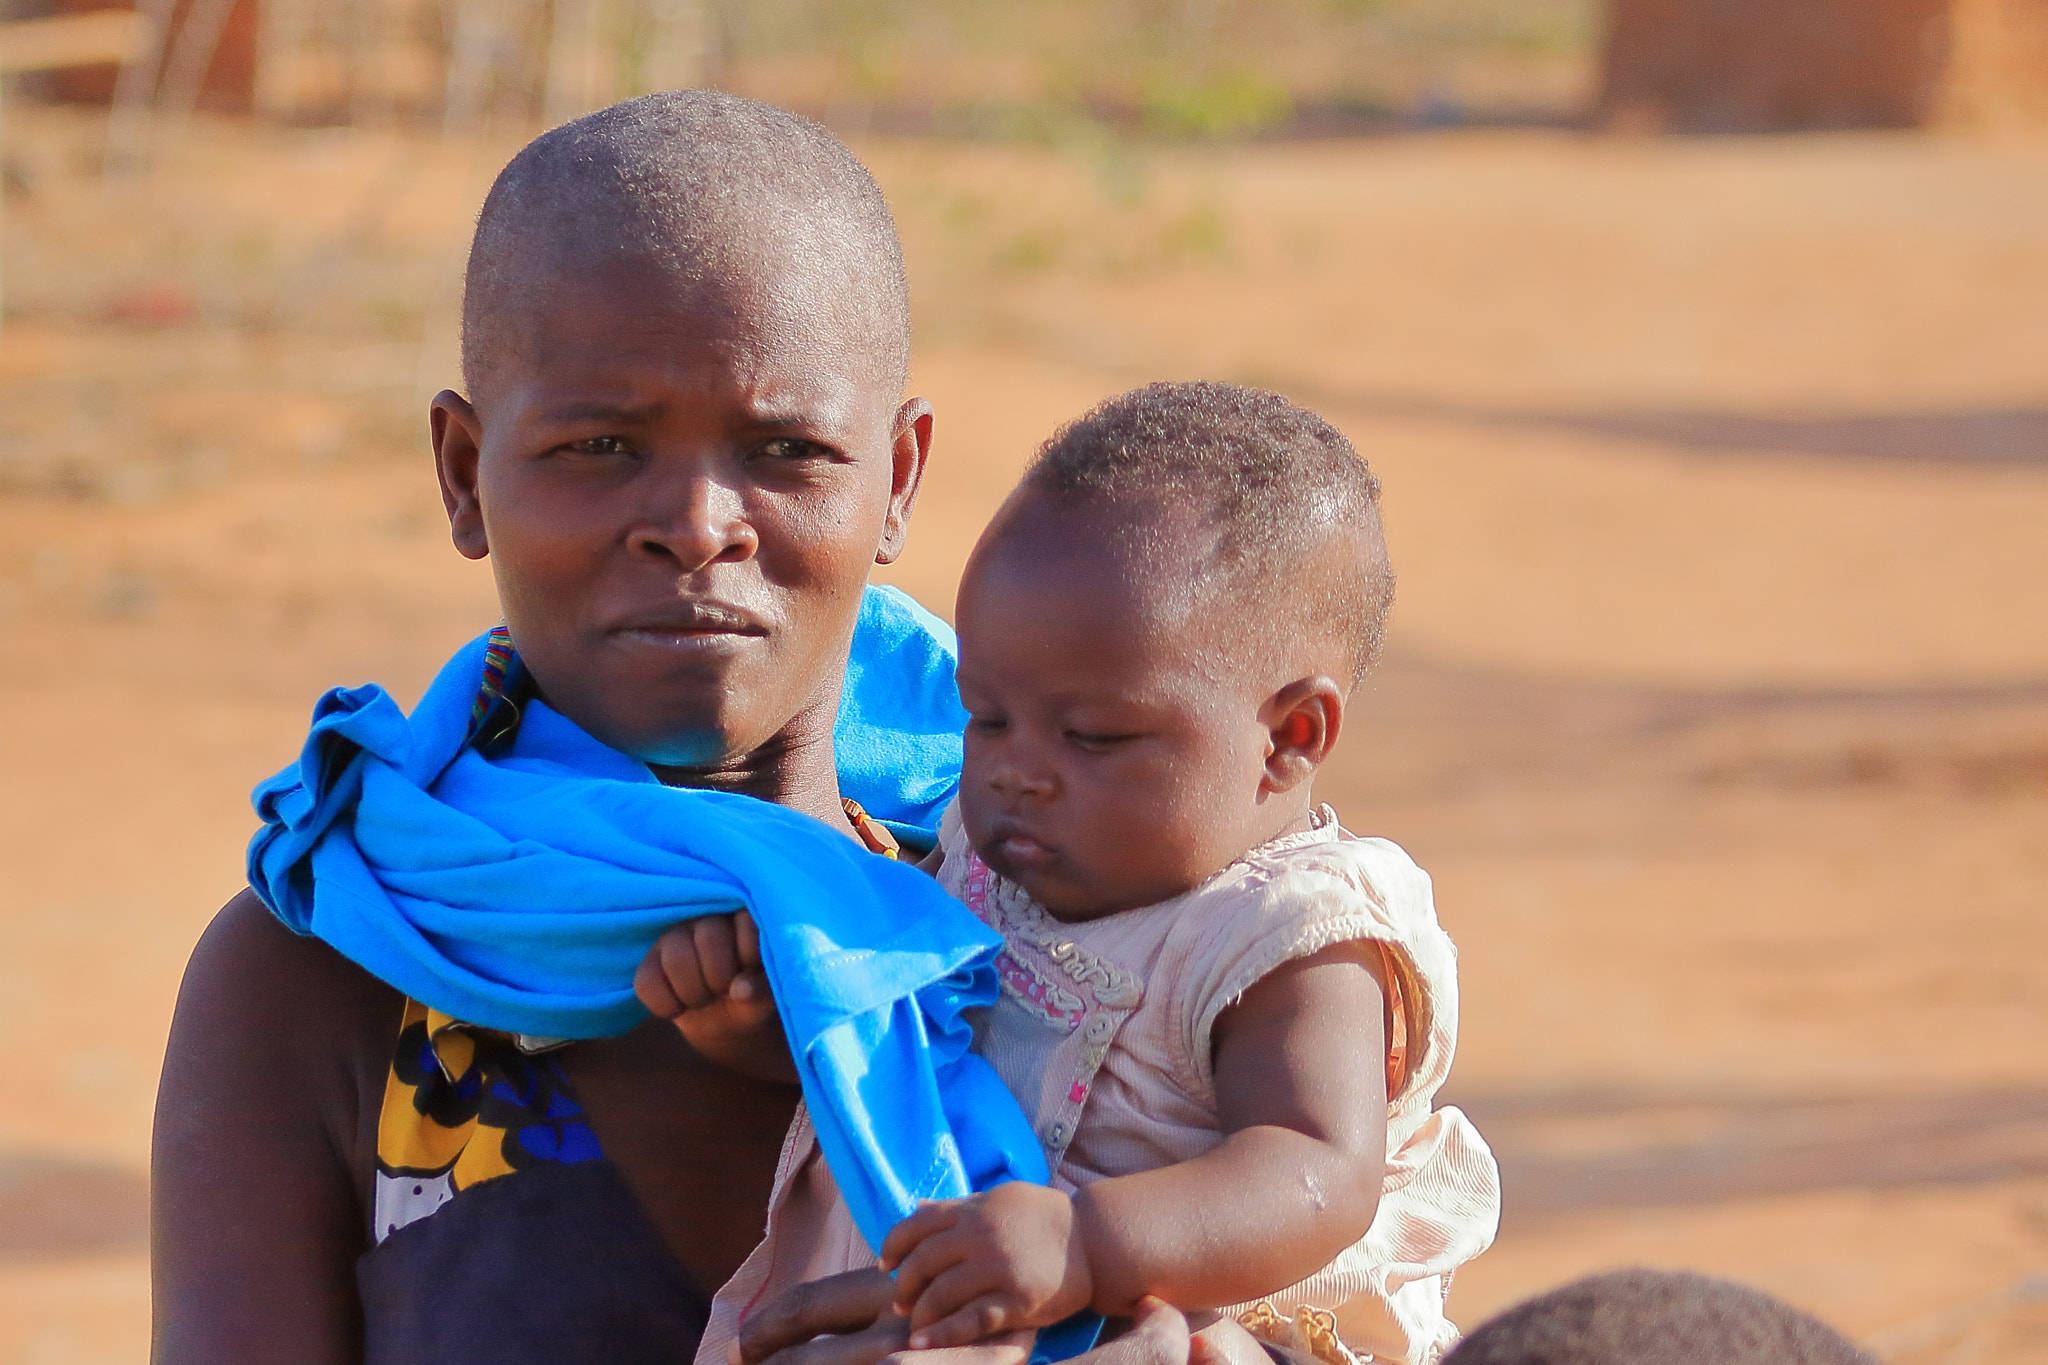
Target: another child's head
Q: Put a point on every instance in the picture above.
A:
(685, 335)
(1635, 1317)
(1158, 635)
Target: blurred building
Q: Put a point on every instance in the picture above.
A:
(457, 62)
(1707, 66)
(1731, 66)
(225, 79)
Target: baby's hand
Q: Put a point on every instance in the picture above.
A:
(706, 976)
(1005, 1259)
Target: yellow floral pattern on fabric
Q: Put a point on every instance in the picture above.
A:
(462, 1106)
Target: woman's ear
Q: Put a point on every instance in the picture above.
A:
(912, 445)
(1302, 721)
(458, 449)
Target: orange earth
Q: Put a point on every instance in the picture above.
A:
(1717, 476)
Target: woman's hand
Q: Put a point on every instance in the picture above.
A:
(705, 975)
(848, 1319)
(851, 1319)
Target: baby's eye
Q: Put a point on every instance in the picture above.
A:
(1097, 743)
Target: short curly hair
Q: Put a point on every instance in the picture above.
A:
(1274, 481)
(1632, 1317)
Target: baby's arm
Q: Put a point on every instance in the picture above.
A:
(705, 976)
(1301, 1093)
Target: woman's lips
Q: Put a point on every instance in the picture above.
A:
(684, 639)
(692, 626)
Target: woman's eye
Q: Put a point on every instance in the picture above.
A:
(602, 445)
(793, 448)
(988, 725)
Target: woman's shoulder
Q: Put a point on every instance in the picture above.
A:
(265, 1010)
(247, 962)
(265, 1140)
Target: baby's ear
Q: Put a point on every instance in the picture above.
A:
(1302, 720)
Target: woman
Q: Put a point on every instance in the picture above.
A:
(682, 448)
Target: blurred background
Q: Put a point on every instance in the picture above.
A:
(1702, 345)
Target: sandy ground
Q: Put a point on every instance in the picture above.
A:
(1717, 701)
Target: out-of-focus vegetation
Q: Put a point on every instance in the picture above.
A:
(1173, 68)
(1005, 69)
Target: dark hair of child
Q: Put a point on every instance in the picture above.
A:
(1655, 1317)
(1273, 482)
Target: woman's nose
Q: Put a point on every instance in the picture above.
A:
(701, 524)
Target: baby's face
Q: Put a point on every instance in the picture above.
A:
(1114, 759)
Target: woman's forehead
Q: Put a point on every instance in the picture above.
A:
(760, 292)
(597, 347)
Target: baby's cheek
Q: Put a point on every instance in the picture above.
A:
(1135, 843)
(974, 798)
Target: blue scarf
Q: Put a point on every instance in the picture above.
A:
(518, 889)
(897, 739)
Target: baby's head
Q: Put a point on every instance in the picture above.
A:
(1158, 635)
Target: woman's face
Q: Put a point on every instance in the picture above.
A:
(681, 490)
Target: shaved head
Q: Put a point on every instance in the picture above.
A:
(738, 204)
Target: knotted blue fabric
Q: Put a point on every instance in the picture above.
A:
(519, 889)
(897, 739)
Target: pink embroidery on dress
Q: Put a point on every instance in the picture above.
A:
(1079, 1092)
(981, 879)
(1026, 984)
(1044, 985)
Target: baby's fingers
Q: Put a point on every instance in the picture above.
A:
(676, 953)
(748, 994)
(984, 1315)
(748, 937)
(652, 989)
(954, 1288)
(932, 1216)
(718, 951)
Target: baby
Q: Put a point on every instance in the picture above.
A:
(1226, 1015)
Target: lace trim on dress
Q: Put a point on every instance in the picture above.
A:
(1082, 979)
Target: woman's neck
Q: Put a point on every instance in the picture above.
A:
(796, 768)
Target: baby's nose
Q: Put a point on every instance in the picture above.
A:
(1019, 780)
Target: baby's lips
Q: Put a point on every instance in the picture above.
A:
(1022, 850)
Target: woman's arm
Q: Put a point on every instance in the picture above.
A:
(1300, 1066)
(850, 1319)
(265, 1130)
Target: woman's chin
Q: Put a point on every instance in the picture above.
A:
(698, 749)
